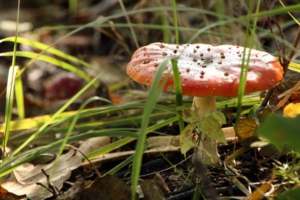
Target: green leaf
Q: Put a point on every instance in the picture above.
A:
(282, 130)
(291, 194)
(219, 116)
(211, 127)
(186, 139)
(189, 116)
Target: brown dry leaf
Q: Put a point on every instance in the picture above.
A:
(5, 195)
(160, 182)
(246, 129)
(75, 191)
(162, 142)
(260, 192)
(280, 91)
(107, 188)
(151, 191)
(93, 144)
(291, 110)
(23, 180)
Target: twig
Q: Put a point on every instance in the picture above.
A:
(129, 23)
(286, 98)
(282, 58)
(292, 53)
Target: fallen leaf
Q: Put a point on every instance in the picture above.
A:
(93, 144)
(23, 180)
(107, 188)
(162, 142)
(151, 191)
(246, 128)
(291, 110)
(160, 182)
(5, 195)
(75, 191)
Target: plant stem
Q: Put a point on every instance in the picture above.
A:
(207, 150)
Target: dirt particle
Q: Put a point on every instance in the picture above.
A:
(226, 74)
(194, 59)
(146, 61)
(164, 54)
(188, 70)
(222, 55)
(162, 46)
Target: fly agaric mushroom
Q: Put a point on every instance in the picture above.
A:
(206, 71)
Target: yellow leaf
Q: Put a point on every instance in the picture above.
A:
(291, 110)
(245, 131)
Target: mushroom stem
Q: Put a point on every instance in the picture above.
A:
(207, 149)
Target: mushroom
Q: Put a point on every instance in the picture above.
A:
(206, 71)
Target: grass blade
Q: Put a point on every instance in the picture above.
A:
(47, 48)
(20, 96)
(9, 104)
(51, 60)
(178, 91)
(155, 90)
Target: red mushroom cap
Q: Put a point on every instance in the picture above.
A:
(62, 86)
(206, 70)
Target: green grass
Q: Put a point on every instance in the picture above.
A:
(145, 116)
